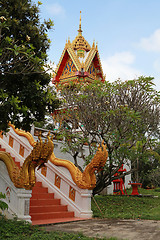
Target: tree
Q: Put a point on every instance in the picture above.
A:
(46, 123)
(125, 115)
(149, 165)
(25, 95)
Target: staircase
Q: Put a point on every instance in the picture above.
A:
(44, 208)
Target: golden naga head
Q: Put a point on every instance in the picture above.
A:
(100, 157)
(42, 151)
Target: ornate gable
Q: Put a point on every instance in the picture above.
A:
(79, 62)
(92, 70)
(69, 69)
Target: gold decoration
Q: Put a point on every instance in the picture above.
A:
(80, 43)
(87, 179)
(80, 30)
(77, 50)
(44, 171)
(69, 69)
(92, 70)
(57, 181)
(11, 141)
(25, 176)
(24, 134)
(72, 193)
(21, 150)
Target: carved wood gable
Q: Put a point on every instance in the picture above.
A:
(92, 71)
(69, 69)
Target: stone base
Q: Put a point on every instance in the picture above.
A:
(18, 199)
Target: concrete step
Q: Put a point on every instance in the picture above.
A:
(56, 220)
(38, 184)
(48, 208)
(44, 208)
(42, 196)
(45, 216)
(37, 190)
(43, 202)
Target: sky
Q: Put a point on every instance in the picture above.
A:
(127, 33)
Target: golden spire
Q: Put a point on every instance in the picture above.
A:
(80, 30)
(96, 45)
(93, 45)
(79, 43)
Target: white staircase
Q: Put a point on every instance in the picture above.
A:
(55, 198)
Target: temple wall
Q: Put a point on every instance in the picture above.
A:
(18, 199)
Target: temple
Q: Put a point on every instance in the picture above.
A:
(79, 62)
(40, 187)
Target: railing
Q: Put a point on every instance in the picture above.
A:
(17, 146)
(18, 199)
(56, 178)
(59, 181)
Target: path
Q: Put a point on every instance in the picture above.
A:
(122, 229)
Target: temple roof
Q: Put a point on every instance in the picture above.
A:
(82, 55)
(80, 42)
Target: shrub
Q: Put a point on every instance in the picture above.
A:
(3, 205)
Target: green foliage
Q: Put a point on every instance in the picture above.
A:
(3, 205)
(47, 123)
(152, 178)
(25, 96)
(125, 115)
(148, 161)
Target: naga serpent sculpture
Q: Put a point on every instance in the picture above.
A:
(26, 176)
(87, 178)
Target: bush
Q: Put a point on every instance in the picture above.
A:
(3, 205)
(154, 177)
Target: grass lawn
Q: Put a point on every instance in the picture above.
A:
(128, 207)
(122, 207)
(19, 230)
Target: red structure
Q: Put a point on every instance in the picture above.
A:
(135, 188)
(79, 62)
(119, 188)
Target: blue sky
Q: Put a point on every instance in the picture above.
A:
(127, 32)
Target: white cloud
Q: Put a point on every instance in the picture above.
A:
(55, 9)
(120, 66)
(152, 43)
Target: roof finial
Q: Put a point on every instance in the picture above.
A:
(96, 45)
(93, 46)
(80, 30)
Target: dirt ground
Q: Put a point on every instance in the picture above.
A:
(122, 229)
